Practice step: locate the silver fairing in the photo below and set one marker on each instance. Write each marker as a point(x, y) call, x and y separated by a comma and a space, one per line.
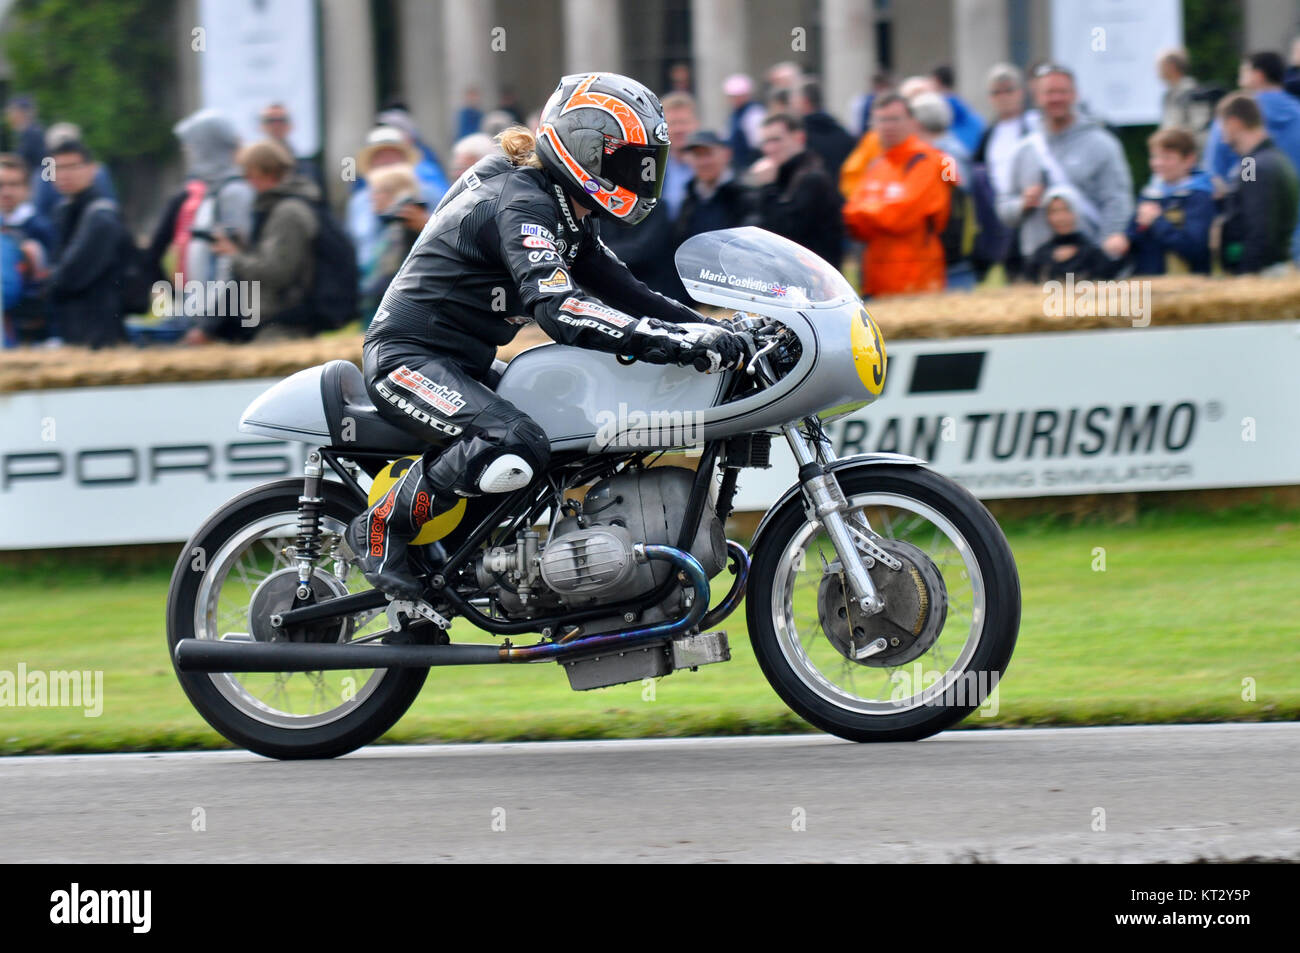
point(290, 410)
point(576, 394)
point(587, 400)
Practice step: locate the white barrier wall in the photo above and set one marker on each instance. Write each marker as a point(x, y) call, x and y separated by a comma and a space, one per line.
point(1164, 408)
point(144, 464)
point(1008, 416)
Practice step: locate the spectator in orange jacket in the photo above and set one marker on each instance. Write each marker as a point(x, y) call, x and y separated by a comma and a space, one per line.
point(868, 147)
point(900, 207)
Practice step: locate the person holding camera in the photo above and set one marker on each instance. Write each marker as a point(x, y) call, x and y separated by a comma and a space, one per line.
point(279, 254)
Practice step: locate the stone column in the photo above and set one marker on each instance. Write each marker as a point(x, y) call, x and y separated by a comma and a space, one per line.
point(348, 80)
point(849, 54)
point(471, 54)
point(981, 39)
point(718, 50)
point(1269, 25)
point(593, 36)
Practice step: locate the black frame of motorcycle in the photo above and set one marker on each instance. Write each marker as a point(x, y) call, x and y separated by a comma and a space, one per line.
point(538, 496)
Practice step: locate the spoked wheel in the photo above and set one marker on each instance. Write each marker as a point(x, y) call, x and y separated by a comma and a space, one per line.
point(952, 609)
point(237, 571)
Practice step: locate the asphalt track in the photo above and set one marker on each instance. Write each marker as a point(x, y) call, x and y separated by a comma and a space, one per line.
point(1167, 793)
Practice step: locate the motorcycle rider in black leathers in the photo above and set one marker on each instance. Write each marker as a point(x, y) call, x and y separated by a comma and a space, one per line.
point(513, 242)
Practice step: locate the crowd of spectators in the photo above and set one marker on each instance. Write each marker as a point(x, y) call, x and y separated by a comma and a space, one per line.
point(923, 193)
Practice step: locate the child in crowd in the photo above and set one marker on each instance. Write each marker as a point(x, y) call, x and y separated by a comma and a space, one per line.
point(1170, 231)
point(1068, 251)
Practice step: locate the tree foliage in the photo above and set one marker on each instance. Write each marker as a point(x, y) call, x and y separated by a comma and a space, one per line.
point(106, 65)
point(1212, 30)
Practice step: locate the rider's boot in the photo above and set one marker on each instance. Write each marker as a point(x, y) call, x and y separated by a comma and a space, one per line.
point(380, 535)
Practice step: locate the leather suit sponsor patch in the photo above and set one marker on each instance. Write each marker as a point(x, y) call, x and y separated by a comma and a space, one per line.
point(537, 231)
point(595, 309)
point(558, 281)
point(443, 399)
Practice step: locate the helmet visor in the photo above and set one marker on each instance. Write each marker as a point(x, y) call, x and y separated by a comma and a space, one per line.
point(639, 169)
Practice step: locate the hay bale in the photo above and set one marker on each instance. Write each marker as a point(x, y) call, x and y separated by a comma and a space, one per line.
point(44, 369)
point(1014, 309)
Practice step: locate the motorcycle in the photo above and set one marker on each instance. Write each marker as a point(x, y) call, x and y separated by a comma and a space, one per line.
point(882, 599)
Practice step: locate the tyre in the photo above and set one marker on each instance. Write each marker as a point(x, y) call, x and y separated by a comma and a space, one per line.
point(952, 609)
point(237, 570)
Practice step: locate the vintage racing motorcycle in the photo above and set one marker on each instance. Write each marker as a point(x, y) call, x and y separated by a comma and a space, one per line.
point(883, 599)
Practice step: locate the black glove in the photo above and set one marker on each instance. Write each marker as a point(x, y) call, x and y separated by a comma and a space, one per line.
point(705, 347)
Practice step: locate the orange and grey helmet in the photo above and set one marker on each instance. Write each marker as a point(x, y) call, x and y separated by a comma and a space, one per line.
point(603, 136)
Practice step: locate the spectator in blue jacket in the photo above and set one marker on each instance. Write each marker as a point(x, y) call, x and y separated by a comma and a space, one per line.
point(470, 115)
point(1261, 75)
point(966, 122)
point(384, 146)
point(1170, 231)
point(26, 252)
point(428, 169)
point(45, 196)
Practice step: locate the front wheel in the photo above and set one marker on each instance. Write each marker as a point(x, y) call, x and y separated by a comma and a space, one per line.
point(235, 572)
point(950, 623)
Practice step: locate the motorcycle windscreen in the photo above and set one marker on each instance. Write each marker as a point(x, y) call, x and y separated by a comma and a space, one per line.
point(741, 267)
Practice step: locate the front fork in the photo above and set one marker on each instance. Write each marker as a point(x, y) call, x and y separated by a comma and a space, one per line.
point(850, 533)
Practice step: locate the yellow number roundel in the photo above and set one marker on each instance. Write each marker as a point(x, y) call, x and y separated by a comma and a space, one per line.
point(868, 352)
point(436, 528)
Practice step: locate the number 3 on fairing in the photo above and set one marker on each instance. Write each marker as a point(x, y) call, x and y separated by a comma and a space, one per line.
point(868, 352)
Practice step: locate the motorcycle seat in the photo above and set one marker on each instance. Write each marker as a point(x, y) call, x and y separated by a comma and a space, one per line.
point(344, 392)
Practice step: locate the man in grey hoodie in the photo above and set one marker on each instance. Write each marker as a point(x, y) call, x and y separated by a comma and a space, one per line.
point(1069, 150)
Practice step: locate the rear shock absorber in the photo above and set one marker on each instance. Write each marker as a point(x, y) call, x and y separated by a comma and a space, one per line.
point(309, 510)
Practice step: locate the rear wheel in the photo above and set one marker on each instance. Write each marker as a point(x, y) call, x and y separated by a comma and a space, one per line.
point(950, 624)
point(235, 572)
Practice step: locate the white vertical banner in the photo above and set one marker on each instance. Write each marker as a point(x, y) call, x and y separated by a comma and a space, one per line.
point(1111, 45)
point(255, 52)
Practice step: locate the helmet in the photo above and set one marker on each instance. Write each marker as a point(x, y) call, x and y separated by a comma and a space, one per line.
point(604, 138)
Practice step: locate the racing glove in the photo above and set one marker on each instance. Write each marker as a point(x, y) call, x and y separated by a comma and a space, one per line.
point(705, 347)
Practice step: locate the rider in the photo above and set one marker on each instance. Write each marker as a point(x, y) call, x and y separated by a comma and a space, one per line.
point(513, 242)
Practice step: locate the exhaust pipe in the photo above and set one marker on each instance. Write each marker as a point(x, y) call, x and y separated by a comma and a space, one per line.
point(212, 655)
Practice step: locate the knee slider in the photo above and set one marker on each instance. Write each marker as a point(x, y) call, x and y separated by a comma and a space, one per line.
point(524, 449)
point(505, 474)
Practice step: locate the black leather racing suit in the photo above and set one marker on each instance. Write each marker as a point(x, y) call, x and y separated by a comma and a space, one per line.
point(502, 249)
